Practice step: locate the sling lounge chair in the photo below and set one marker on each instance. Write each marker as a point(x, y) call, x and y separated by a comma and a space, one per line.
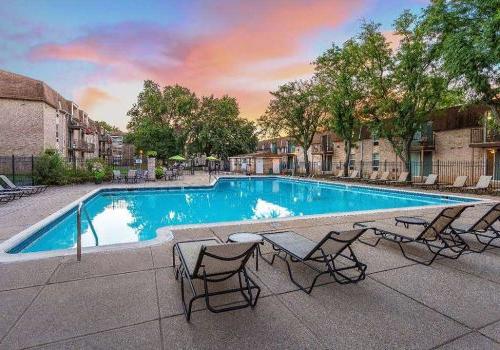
point(353, 176)
point(373, 176)
point(333, 247)
point(383, 178)
point(482, 184)
point(117, 176)
point(33, 189)
point(131, 176)
point(210, 261)
point(429, 182)
point(482, 229)
point(402, 179)
point(4, 198)
point(15, 193)
point(458, 184)
point(437, 236)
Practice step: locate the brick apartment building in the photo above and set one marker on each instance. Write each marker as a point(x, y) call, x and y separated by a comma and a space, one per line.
point(451, 135)
point(35, 117)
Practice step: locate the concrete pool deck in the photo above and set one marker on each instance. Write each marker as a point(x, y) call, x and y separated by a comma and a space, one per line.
point(129, 299)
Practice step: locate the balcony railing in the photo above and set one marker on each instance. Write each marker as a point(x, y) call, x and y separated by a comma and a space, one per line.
point(479, 136)
point(82, 146)
point(424, 141)
point(320, 149)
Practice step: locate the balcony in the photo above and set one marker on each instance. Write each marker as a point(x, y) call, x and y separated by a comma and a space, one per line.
point(322, 149)
point(424, 141)
point(484, 138)
point(82, 146)
point(75, 124)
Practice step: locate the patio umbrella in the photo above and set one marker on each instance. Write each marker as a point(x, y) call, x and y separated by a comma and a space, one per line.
point(178, 158)
point(212, 158)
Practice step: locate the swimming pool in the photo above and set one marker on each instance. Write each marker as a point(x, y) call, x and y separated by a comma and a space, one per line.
point(125, 215)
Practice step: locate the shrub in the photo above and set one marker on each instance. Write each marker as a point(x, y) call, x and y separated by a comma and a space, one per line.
point(78, 175)
point(50, 169)
point(159, 172)
point(151, 154)
point(99, 170)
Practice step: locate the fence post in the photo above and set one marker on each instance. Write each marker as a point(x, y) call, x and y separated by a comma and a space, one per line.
point(13, 169)
point(32, 167)
point(437, 168)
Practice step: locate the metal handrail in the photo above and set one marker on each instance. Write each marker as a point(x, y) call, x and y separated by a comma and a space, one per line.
point(79, 230)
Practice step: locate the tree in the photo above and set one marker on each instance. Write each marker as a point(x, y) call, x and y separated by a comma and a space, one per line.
point(338, 71)
point(467, 40)
point(403, 87)
point(296, 111)
point(218, 129)
point(107, 127)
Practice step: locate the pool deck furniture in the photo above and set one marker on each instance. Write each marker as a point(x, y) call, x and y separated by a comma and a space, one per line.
point(15, 193)
point(482, 184)
point(382, 179)
point(333, 251)
point(373, 176)
point(117, 176)
point(407, 221)
point(33, 189)
point(458, 184)
point(402, 179)
point(483, 229)
point(4, 198)
point(131, 176)
point(245, 237)
point(438, 236)
point(352, 176)
point(211, 261)
point(430, 182)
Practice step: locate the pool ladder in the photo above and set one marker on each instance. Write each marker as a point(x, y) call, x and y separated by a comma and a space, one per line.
point(79, 230)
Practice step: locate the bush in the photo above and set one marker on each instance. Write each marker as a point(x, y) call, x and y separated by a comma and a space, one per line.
point(99, 170)
point(159, 172)
point(151, 154)
point(50, 169)
point(78, 175)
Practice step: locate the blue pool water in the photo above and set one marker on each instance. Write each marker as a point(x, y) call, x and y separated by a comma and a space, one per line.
point(120, 216)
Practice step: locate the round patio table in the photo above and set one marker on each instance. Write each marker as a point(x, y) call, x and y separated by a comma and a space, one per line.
point(246, 237)
point(410, 220)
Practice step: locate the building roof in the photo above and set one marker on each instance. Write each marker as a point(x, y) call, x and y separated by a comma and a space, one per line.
point(259, 155)
point(20, 87)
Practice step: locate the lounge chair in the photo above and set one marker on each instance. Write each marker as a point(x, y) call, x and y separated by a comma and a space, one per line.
point(4, 198)
point(437, 236)
point(131, 176)
point(209, 260)
point(12, 186)
point(334, 251)
point(458, 184)
point(431, 181)
point(15, 193)
point(373, 176)
point(482, 229)
point(402, 179)
point(482, 184)
point(383, 178)
point(117, 176)
point(353, 176)
point(340, 173)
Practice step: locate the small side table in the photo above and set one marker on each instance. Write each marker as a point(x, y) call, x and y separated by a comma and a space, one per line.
point(410, 220)
point(245, 237)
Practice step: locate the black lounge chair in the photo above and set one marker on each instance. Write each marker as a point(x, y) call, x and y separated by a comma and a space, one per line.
point(32, 189)
point(482, 229)
point(328, 251)
point(209, 260)
point(438, 236)
point(131, 176)
point(4, 198)
point(15, 193)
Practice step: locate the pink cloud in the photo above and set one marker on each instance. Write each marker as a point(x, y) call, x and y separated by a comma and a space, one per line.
point(91, 96)
point(246, 34)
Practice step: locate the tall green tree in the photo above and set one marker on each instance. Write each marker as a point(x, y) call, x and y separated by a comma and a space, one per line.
point(338, 71)
point(218, 129)
point(295, 110)
point(107, 127)
point(403, 87)
point(151, 135)
point(466, 33)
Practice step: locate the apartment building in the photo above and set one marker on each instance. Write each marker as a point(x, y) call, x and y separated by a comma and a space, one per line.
point(35, 117)
point(457, 134)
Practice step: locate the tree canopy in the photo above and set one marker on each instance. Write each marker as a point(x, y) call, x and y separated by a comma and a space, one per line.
point(338, 71)
point(174, 120)
point(295, 110)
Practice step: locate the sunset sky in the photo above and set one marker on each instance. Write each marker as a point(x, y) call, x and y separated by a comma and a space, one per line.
point(98, 53)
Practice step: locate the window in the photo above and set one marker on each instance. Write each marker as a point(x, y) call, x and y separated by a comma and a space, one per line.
point(375, 140)
point(352, 164)
point(375, 161)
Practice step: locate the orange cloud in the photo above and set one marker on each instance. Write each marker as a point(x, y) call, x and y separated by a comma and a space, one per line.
point(392, 38)
point(92, 96)
point(228, 58)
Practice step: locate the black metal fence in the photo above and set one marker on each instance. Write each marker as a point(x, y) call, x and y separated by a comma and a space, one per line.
point(19, 169)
